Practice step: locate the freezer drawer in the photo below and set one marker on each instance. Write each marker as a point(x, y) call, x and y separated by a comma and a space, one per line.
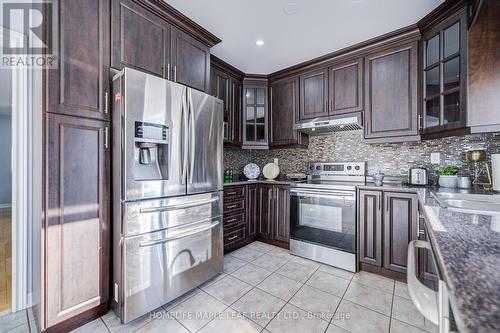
point(153, 215)
point(161, 266)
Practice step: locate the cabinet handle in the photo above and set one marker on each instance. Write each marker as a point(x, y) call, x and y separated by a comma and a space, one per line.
point(420, 118)
point(106, 106)
point(106, 137)
point(168, 71)
point(231, 238)
point(231, 193)
point(232, 220)
point(232, 206)
point(175, 73)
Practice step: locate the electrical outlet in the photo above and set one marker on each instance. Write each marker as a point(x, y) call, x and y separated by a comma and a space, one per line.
point(435, 158)
point(276, 161)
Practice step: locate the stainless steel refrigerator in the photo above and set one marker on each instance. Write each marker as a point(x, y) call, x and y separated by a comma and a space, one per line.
point(167, 191)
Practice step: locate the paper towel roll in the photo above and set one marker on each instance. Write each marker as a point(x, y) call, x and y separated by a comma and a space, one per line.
point(495, 166)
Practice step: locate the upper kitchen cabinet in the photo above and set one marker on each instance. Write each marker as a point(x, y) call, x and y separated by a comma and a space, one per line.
point(332, 91)
point(345, 87)
point(140, 39)
point(190, 61)
point(80, 84)
point(484, 69)
point(146, 35)
point(391, 94)
point(255, 114)
point(314, 94)
point(444, 77)
point(284, 95)
point(227, 85)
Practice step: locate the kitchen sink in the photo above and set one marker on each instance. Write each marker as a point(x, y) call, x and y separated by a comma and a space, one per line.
point(469, 203)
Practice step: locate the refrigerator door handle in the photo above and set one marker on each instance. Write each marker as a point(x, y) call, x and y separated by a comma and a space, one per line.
point(179, 206)
point(190, 232)
point(184, 137)
point(192, 137)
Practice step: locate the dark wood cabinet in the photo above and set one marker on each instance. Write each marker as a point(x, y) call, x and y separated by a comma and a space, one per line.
point(226, 84)
point(140, 39)
point(190, 61)
point(284, 113)
point(235, 219)
point(253, 209)
point(256, 211)
point(387, 224)
point(77, 189)
point(314, 94)
point(370, 227)
point(236, 135)
point(391, 94)
point(143, 40)
point(444, 77)
point(255, 113)
point(220, 87)
point(80, 84)
point(345, 87)
point(400, 228)
point(281, 220)
point(266, 211)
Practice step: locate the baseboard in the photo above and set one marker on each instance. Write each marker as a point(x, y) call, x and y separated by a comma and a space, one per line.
point(79, 320)
point(383, 272)
point(281, 244)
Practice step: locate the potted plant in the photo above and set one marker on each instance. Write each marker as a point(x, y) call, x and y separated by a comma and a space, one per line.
point(448, 176)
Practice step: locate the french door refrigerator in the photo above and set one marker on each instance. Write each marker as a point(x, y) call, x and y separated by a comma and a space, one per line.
point(167, 191)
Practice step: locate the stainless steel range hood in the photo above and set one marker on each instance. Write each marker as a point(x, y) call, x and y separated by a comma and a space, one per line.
point(348, 122)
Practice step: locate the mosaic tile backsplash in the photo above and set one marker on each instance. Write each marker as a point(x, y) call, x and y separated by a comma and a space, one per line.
point(391, 159)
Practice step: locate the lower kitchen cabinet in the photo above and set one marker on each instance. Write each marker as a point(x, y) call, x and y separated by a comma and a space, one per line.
point(256, 211)
point(400, 228)
point(266, 210)
point(281, 225)
point(387, 224)
point(370, 227)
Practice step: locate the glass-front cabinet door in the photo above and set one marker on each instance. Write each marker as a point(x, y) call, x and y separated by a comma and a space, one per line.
point(255, 117)
point(444, 76)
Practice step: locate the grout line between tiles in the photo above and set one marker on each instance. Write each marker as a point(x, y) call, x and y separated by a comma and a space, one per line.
point(336, 308)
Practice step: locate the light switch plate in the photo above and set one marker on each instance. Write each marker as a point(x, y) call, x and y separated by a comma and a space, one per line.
point(435, 158)
point(276, 161)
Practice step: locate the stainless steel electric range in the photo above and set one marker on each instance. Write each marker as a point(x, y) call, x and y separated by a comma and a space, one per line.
point(323, 213)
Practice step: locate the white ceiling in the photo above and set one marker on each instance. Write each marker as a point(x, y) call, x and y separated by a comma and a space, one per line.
point(313, 28)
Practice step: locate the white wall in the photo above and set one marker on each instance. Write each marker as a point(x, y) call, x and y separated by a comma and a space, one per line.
point(5, 159)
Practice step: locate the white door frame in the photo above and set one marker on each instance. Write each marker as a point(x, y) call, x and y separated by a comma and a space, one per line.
point(20, 182)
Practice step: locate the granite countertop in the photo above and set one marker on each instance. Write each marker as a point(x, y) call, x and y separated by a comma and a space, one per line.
point(467, 248)
point(242, 180)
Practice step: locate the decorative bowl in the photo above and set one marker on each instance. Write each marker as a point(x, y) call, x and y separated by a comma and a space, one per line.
point(251, 171)
point(271, 171)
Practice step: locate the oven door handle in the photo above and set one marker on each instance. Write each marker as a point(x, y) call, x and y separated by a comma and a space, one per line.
point(325, 195)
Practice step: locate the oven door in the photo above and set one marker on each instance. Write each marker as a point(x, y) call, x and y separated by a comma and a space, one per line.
point(324, 217)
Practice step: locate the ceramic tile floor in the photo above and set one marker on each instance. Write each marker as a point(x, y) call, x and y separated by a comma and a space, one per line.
point(265, 289)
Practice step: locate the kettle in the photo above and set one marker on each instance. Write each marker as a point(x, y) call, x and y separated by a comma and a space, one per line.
point(418, 176)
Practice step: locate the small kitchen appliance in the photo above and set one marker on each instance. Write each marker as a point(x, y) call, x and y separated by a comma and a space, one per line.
point(418, 176)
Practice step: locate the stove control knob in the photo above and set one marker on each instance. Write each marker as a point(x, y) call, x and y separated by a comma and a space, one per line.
point(357, 167)
point(318, 167)
point(311, 167)
point(349, 167)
